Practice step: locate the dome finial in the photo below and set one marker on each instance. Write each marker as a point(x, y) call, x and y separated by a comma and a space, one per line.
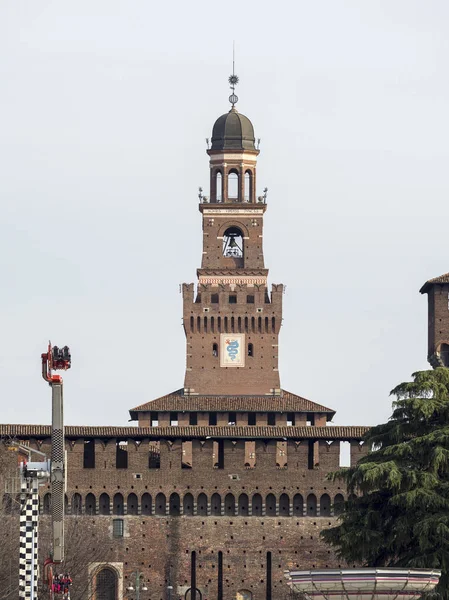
point(233, 80)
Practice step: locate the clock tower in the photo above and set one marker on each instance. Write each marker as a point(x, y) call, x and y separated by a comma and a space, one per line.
point(232, 319)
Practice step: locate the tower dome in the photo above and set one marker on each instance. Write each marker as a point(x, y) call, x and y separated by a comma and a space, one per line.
point(233, 131)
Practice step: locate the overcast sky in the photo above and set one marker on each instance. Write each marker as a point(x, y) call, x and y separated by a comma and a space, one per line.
point(105, 107)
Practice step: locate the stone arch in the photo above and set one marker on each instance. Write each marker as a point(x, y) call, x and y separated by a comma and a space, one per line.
point(47, 504)
point(243, 505)
point(118, 504)
point(175, 505)
point(215, 505)
point(90, 506)
point(311, 505)
point(233, 223)
point(270, 505)
point(132, 504)
point(160, 507)
point(244, 595)
point(284, 505)
point(106, 583)
point(201, 505)
point(298, 505)
point(229, 507)
point(325, 505)
point(146, 503)
point(187, 505)
point(256, 505)
point(105, 504)
point(339, 504)
point(76, 504)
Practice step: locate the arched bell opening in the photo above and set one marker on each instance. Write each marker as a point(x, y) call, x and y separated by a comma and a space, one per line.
point(233, 243)
point(248, 187)
point(233, 185)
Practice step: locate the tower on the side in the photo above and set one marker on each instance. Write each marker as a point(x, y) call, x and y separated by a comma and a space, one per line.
point(437, 291)
point(232, 320)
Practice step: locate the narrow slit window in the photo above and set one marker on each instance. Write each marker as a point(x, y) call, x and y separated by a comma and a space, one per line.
point(215, 350)
point(248, 186)
point(219, 187)
point(250, 350)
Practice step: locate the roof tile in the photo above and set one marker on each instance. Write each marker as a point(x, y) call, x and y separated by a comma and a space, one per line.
point(176, 401)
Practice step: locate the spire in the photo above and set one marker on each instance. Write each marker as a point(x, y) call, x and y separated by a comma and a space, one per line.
point(233, 80)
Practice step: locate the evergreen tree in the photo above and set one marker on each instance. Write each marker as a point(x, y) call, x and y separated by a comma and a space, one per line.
point(397, 514)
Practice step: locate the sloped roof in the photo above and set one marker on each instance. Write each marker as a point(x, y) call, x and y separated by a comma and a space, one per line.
point(177, 402)
point(436, 280)
point(332, 432)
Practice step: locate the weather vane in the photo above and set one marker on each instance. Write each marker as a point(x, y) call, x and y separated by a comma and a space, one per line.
point(233, 80)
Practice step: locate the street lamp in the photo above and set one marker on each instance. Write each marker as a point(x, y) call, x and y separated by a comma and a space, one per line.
point(139, 585)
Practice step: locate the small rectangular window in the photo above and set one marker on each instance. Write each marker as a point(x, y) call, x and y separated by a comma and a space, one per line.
point(154, 456)
point(214, 298)
point(250, 299)
point(251, 418)
point(271, 418)
point(290, 419)
point(89, 454)
point(232, 299)
point(310, 419)
point(193, 418)
point(117, 528)
point(232, 418)
point(121, 455)
point(154, 419)
point(212, 418)
point(173, 419)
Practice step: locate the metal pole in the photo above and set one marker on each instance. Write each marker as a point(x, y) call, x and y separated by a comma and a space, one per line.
point(137, 585)
point(57, 472)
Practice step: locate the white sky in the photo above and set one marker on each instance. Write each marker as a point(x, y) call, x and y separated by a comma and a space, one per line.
point(105, 107)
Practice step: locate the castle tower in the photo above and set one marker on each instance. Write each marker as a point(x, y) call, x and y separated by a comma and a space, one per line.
point(437, 290)
point(232, 321)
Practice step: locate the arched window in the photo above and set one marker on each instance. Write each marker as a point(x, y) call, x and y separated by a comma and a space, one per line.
point(270, 505)
point(215, 505)
point(105, 505)
point(118, 505)
point(76, 504)
point(66, 504)
point(256, 507)
point(47, 504)
point(325, 505)
point(106, 585)
point(243, 505)
point(233, 243)
point(91, 505)
point(201, 505)
point(311, 505)
point(187, 505)
point(160, 504)
point(132, 505)
point(146, 504)
point(175, 504)
point(229, 505)
point(233, 185)
point(250, 350)
point(298, 505)
point(444, 354)
point(248, 196)
point(219, 186)
point(339, 504)
point(284, 505)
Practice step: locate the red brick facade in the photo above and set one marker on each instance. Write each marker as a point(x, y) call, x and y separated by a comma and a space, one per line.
point(223, 484)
